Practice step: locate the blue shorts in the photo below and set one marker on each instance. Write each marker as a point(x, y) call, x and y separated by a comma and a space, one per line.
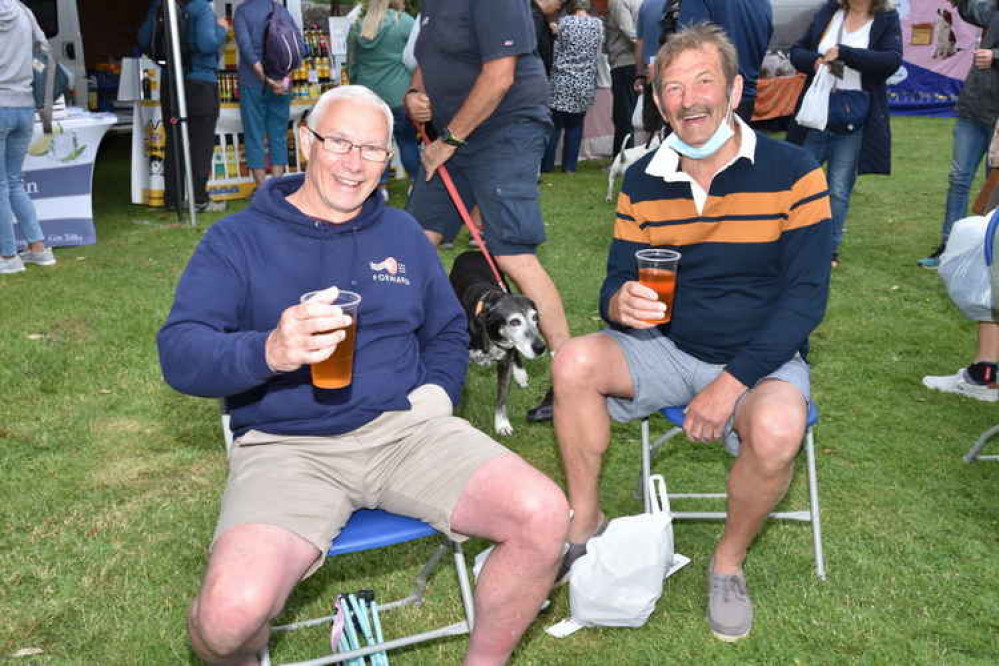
point(499, 173)
point(664, 376)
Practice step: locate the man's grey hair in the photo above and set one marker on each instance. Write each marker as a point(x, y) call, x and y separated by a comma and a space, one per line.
point(357, 93)
point(697, 36)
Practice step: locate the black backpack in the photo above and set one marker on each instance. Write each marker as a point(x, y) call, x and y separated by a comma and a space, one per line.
point(282, 54)
point(159, 44)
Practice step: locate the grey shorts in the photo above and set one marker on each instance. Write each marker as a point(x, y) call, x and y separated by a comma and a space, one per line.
point(664, 376)
point(415, 463)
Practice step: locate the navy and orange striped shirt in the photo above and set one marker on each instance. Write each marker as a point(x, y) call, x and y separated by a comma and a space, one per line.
point(754, 274)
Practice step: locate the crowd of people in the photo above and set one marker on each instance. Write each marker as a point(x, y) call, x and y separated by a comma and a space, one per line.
point(753, 286)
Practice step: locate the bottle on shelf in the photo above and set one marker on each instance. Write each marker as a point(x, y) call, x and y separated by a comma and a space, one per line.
point(218, 160)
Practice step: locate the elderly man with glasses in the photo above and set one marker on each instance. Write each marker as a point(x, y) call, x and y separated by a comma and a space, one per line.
point(305, 458)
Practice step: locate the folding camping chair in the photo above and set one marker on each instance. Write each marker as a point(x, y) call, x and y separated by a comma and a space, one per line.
point(675, 416)
point(975, 452)
point(370, 529)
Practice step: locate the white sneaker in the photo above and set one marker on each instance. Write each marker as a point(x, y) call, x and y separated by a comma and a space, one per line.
point(12, 265)
point(961, 385)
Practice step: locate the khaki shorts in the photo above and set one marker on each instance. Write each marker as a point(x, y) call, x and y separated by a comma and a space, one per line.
point(414, 463)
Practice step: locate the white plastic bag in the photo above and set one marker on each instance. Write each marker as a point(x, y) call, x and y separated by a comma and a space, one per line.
point(964, 269)
point(814, 111)
point(620, 578)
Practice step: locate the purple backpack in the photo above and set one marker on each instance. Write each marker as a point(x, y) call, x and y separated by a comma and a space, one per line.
point(282, 44)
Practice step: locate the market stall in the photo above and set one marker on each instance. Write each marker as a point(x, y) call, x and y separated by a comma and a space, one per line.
point(323, 68)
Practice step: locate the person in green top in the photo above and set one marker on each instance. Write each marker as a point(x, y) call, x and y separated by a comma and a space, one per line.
point(374, 60)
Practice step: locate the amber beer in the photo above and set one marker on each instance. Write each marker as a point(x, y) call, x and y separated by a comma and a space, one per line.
point(657, 270)
point(337, 371)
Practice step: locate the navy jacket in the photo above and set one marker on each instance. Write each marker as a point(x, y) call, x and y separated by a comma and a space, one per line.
point(875, 65)
point(254, 264)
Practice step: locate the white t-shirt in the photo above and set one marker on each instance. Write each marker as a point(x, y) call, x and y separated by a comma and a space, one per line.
point(860, 39)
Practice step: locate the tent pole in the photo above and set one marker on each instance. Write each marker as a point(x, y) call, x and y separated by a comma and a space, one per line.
point(177, 75)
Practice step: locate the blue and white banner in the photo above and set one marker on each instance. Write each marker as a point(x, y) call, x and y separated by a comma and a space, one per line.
point(58, 173)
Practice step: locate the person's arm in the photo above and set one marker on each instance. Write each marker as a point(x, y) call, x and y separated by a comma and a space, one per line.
point(416, 101)
point(806, 247)
point(244, 42)
point(624, 302)
point(625, 21)
point(490, 87)
point(202, 351)
point(804, 54)
point(209, 32)
point(38, 37)
point(976, 12)
point(881, 60)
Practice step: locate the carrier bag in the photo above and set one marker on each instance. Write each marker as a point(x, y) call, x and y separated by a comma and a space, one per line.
point(965, 265)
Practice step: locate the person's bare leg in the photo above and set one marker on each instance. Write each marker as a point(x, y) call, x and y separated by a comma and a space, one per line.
point(584, 372)
point(251, 571)
point(771, 424)
point(988, 342)
point(277, 170)
point(535, 283)
point(259, 176)
point(520, 509)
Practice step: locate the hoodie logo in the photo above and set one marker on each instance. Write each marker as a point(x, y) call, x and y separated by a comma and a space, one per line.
point(388, 270)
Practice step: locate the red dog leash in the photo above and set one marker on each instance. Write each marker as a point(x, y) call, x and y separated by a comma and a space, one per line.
point(463, 212)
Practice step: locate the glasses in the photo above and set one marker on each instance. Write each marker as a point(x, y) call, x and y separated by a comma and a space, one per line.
point(340, 146)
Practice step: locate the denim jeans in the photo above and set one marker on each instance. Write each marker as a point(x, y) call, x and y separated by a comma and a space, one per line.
point(264, 114)
point(16, 126)
point(971, 141)
point(572, 123)
point(840, 152)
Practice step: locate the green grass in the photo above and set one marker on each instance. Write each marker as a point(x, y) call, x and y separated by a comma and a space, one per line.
point(110, 481)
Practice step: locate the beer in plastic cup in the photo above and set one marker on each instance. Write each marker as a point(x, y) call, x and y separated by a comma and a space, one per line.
point(338, 370)
point(657, 270)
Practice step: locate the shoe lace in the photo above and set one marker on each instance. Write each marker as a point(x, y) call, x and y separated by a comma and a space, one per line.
point(730, 588)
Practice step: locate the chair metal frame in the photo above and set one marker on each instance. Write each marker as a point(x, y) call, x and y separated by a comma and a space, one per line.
point(975, 452)
point(675, 416)
point(356, 538)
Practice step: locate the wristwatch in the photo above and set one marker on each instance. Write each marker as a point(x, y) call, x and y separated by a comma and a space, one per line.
point(451, 139)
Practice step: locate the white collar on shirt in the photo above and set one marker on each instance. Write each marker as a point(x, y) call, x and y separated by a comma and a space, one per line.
point(666, 162)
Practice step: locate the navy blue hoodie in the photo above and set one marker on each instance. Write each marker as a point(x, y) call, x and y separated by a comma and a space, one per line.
point(254, 264)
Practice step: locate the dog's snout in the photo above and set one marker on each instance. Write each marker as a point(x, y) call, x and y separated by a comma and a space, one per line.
point(538, 347)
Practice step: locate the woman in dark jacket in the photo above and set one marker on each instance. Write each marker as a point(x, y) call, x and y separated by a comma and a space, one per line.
point(863, 40)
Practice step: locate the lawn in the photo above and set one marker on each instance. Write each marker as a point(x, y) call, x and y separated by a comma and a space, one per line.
point(111, 480)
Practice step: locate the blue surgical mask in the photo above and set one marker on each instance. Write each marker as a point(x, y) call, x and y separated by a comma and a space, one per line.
point(722, 134)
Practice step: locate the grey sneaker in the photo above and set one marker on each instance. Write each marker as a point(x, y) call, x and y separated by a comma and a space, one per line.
point(43, 258)
point(730, 610)
point(12, 265)
point(210, 207)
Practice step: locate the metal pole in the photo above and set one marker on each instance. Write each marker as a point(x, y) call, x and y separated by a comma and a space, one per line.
point(176, 66)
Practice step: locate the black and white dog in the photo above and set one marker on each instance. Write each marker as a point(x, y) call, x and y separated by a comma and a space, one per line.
point(503, 327)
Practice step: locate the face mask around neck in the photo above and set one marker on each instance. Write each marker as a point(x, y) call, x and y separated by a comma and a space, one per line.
point(709, 147)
